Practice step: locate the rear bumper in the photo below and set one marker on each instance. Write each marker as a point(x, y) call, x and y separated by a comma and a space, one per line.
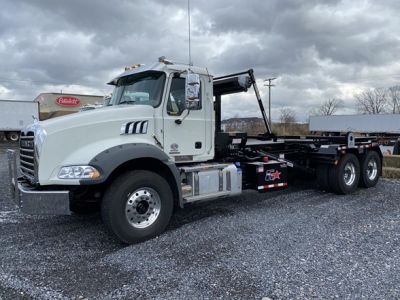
point(32, 200)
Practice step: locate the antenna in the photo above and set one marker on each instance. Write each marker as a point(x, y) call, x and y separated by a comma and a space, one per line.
point(190, 54)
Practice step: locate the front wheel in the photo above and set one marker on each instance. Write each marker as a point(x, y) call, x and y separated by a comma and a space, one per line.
point(137, 206)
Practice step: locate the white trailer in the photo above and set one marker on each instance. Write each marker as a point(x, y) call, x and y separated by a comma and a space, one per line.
point(385, 123)
point(385, 126)
point(15, 115)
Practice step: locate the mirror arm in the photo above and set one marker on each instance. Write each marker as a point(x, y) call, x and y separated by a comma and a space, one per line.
point(179, 122)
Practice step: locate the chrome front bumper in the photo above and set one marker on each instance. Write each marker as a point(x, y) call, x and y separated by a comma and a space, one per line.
point(34, 201)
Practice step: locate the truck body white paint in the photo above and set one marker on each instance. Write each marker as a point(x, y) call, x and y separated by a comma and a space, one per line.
point(385, 123)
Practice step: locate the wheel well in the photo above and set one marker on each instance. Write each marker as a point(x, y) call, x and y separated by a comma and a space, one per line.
point(149, 164)
point(351, 151)
point(359, 155)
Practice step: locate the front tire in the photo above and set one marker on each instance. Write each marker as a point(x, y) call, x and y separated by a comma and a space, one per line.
point(370, 169)
point(344, 177)
point(137, 206)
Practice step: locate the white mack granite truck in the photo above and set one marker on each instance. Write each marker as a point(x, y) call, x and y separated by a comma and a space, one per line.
point(159, 145)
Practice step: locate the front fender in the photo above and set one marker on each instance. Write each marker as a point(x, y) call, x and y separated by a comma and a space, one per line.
point(108, 160)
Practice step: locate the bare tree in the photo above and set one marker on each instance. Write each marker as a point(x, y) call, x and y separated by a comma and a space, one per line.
point(372, 101)
point(330, 106)
point(327, 108)
point(288, 116)
point(393, 94)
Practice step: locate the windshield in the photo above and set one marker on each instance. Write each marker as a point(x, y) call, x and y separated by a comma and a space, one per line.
point(144, 88)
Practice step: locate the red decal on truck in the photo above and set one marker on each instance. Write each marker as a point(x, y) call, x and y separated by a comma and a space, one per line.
point(272, 175)
point(68, 101)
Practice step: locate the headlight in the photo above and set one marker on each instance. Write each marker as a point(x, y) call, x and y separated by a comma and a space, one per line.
point(78, 172)
point(40, 135)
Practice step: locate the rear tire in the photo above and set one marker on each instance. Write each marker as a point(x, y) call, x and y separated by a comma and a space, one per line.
point(12, 136)
point(344, 177)
point(370, 169)
point(137, 206)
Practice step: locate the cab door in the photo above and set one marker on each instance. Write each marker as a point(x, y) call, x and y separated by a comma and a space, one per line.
point(184, 130)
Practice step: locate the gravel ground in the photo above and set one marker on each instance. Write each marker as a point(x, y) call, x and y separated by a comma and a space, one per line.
point(296, 243)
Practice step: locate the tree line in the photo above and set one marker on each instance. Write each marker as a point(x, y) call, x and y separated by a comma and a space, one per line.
point(379, 101)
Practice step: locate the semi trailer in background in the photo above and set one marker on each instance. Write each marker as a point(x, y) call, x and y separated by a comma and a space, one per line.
point(16, 114)
point(56, 104)
point(386, 127)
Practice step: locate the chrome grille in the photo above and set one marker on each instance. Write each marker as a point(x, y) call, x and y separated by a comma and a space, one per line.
point(27, 156)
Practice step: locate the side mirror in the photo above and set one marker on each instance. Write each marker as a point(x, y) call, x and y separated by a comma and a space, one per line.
point(192, 90)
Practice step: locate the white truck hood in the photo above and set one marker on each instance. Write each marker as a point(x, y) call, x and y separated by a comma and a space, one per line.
point(101, 117)
point(75, 139)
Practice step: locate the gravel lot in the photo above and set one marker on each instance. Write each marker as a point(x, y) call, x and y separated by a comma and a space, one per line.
point(296, 243)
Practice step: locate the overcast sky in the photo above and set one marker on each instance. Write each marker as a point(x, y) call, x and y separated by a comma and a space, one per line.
point(317, 49)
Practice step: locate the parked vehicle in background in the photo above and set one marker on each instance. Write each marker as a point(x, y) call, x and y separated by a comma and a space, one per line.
point(16, 114)
point(386, 127)
point(56, 104)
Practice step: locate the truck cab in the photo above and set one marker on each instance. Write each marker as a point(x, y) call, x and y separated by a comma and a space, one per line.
point(163, 88)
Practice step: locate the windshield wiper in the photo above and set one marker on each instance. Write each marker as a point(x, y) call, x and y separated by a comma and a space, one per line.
point(127, 102)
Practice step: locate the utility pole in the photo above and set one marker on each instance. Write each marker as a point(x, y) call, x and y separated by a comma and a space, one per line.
point(269, 85)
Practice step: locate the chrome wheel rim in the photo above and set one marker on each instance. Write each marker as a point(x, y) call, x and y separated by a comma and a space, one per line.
point(372, 169)
point(142, 207)
point(349, 174)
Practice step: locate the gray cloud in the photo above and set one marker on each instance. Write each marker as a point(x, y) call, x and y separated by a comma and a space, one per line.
point(317, 49)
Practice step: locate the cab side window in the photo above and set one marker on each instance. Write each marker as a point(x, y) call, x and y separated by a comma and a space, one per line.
point(176, 100)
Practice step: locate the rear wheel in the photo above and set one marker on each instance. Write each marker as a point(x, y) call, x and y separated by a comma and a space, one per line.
point(137, 206)
point(370, 169)
point(344, 177)
point(12, 136)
